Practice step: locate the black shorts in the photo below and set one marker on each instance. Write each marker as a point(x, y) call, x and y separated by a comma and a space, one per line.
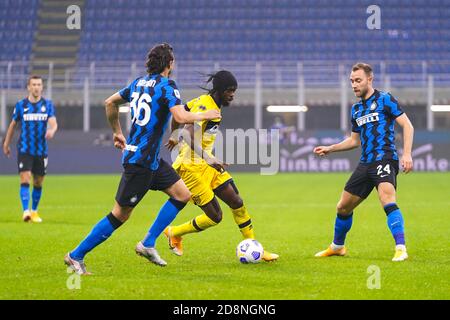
point(36, 164)
point(369, 175)
point(137, 180)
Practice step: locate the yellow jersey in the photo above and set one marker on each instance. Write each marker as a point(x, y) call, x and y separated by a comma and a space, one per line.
point(208, 130)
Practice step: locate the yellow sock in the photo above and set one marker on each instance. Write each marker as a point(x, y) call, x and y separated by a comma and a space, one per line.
point(242, 219)
point(199, 223)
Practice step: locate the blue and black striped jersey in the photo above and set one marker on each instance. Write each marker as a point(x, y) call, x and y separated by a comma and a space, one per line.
point(151, 98)
point(374, 120)
point(33, 118)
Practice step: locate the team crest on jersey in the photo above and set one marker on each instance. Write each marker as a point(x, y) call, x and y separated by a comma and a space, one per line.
point(371, 117)
point(43, 109)
point(202, 108)
point(133, 199)
point(373, 106)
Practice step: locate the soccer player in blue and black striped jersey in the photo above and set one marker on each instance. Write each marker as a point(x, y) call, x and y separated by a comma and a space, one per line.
point(153, 99)
point(36, 116)
point(373, 121)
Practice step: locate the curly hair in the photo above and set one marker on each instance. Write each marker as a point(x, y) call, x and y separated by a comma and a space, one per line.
point(221, 80)
point(159, 58)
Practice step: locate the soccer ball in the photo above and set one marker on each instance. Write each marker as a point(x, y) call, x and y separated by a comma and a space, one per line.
point(249, 251)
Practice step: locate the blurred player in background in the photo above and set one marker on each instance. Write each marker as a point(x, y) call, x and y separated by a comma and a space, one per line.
point(153, 98)
point(38, 124)
point(205, 175)
point(373, 129)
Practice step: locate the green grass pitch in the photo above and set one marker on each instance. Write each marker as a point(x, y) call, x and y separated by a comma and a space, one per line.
point(293, 215)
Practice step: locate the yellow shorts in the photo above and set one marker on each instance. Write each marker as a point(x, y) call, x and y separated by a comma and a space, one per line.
point(201, 181)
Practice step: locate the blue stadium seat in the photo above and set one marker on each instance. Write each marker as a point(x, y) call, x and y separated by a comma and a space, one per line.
point(251, 30)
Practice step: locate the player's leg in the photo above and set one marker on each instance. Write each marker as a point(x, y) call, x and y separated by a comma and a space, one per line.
point(199, 184)
point(387, 181)
point(99, 234)
point(133, 186)
point(39, 170)
point(25, 177)
point(342, 225)
point(25, 164)
point(102, 230)
point(211, 216)
point(167, 180)
point(229, 193)
point(357, 188)
point(179, 196)
point(36, 194)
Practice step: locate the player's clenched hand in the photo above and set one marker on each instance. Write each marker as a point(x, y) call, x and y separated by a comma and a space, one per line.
point(49, 134)
point(171, 143)
point(212, 114)
point(322, 150)
point(119, 141)
point(6, 150)
point(216, 164)
point(407, 163)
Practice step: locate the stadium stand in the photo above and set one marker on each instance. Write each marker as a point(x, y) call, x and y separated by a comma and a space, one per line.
point(266, 30)
point(412, 31)
point(17, 25)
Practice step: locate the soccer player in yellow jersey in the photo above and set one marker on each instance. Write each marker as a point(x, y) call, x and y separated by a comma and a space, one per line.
point(203, 174)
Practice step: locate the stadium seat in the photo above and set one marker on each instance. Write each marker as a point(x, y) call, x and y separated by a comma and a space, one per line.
point(249, 31)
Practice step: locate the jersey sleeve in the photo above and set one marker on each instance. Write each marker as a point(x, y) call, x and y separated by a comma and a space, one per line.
point(125, 92)
point(17, 113)
point(392, 106)
point(189, 105)
point(51, 109)
point(355, 127)
point(172, 96)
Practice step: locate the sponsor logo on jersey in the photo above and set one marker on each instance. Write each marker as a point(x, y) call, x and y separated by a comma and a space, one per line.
point(35, 117)
point(131, 148)
point(213, 130)
point(371, 117)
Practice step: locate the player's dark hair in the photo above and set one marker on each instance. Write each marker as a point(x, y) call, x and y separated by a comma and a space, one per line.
point(221, 81)
point(367, 68)
point(34, 77)
point(159, 58)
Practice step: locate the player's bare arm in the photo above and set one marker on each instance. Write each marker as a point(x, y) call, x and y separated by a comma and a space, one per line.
point(408, 134)
point(188, 135)
point(176, 126)
point(112, 114)
point(350, 143)
point(182, 116)
point(174, 131)
point(8, 138)
point(52, 129)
